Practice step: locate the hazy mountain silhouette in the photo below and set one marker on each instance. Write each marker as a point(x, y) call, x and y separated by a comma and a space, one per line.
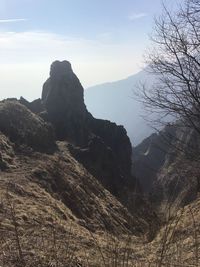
point(116, 101)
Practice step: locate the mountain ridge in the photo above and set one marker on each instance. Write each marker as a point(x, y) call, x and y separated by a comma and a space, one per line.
point(116, 102)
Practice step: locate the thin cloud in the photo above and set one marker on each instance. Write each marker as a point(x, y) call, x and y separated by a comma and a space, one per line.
point(26, 56)
point(136, 16)
point(11, 20)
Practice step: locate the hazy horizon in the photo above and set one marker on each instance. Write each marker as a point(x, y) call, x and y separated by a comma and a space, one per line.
point(104, 41)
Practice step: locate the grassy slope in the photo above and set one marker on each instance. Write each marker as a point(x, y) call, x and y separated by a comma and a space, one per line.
point(53, 213)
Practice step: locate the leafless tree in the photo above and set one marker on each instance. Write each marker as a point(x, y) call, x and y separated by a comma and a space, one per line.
point(175, 61)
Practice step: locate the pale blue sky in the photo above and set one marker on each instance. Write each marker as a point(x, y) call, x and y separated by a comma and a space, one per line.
point(105, 40)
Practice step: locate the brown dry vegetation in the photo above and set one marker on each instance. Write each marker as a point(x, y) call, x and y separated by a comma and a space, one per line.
point(83, 225)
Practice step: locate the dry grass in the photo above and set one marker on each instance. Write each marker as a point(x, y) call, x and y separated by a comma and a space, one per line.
point(38, 229)
point(55, 244)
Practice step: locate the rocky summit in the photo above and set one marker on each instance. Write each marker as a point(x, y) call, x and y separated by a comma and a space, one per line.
point(101, 146)
point(62, 97)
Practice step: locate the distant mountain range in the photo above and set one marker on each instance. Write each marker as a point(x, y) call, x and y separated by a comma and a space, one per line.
point(116, 101)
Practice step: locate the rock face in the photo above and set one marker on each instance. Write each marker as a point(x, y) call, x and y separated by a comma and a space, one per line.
point(167, 165)
point(116, 138)
point(34, 106)
point(107, 155)
point(150, 156)
point(90, 203)
point(179, 177)
point(101, 146)
point(62, 97)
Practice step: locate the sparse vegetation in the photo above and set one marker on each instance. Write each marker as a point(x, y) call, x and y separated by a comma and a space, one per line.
point(68, 197)
point(51, 245)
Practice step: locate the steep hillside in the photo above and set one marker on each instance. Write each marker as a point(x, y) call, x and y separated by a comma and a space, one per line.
point(63, 170)
point(68, 197)
point(177, 242)
point(60, 213)
point(150, 155)
point(50, 193)
point(167, 165)
point(116, 101)
point(101, 146)
point(45, 193)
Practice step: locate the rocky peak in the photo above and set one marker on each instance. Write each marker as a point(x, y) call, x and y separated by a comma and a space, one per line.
point(60, 69)
point(62, 97)
point(60, 128)
point(64, 86)
point(102, 147)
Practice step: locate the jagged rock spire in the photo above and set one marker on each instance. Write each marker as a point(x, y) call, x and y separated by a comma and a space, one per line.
point(62, 96)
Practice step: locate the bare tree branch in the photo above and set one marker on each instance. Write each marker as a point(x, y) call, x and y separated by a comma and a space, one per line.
point(175, 61)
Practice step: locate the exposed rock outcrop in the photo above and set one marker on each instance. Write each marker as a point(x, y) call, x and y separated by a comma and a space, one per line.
point(59, 124)
point(116, 138)
point(167, 165)
point(65, 207)
point(62, 97)
point(150, 156)
point(101, 146)
point(58, 176)
point(94, 207)
point(35, 106)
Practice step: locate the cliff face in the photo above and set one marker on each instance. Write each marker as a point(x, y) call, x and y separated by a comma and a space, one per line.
point(101, 146)
point(150, 156)
point(167, 165)
point(62, 97)
point(116, 138)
